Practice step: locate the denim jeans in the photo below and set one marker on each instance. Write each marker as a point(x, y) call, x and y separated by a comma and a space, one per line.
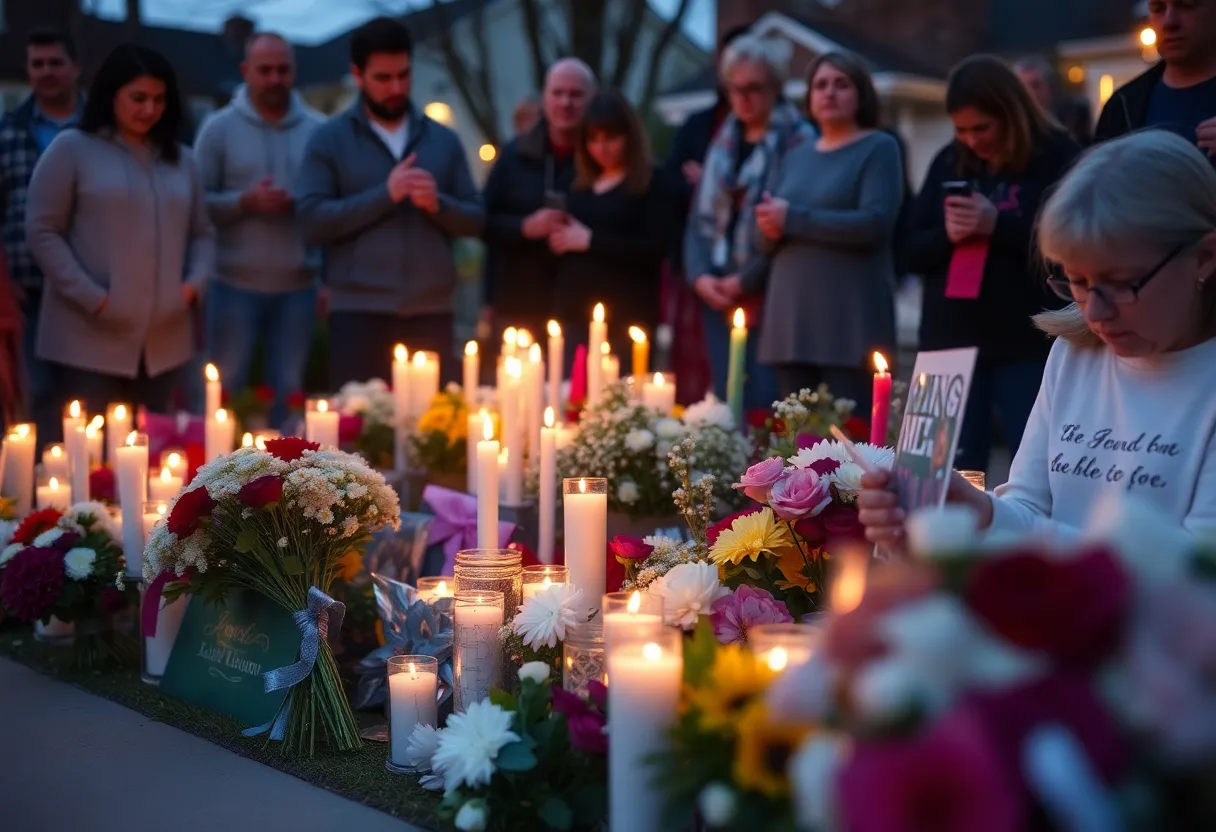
point(97, 390)
point(1006, 388)
point(759, 380)
point(284, 321)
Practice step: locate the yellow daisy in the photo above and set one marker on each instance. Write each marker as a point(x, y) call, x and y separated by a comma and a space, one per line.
point(735, 680)
point(751, 536)
point(764, 749)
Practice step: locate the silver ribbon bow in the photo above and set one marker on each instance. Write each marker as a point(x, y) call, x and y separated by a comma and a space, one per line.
point(314, 622)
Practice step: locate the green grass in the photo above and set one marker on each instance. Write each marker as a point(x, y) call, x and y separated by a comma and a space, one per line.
point(359, 776)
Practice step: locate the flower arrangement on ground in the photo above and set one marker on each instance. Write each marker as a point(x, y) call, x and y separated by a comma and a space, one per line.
point(437, 443)
point(803, 418)
point(280, 522)
point(629, 444)
point(373, 404)
point(63, 565)
point(535, 760)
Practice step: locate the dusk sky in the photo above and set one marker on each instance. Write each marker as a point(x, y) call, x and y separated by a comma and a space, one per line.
point(313, 21)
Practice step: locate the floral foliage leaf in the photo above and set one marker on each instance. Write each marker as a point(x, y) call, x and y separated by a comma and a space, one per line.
point(517, 756)
point(556, 813)
point(699, 653)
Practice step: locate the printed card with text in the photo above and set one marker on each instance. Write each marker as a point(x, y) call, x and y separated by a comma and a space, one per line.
point(928, 437)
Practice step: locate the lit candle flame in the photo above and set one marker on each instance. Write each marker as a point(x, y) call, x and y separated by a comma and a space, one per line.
point(740, 319)
point(880, 362)
point(413, 671)
point(582, 485)
point(166, 473)
point(221, 415)
point(652, 652)
point(323, 406)
point(132, 437)
point(546, 583)
point(504, 456)
point(441, 588)
point(514, 367)
point(850, 585)
point(120, 412)
point(247, 440)
point(259, 442)
point(778, 658)
point(54, 483)
point(605, 348)
point(555, 329)
point(549, 419)
point(212, 373)
point(638, 336)
point(659, 381)
point(175, 460)
point(74, 410)
point(419, 359)
point(162, 509)
point(597, 314)
point(635, 603)
point(23, 431)
point(510, 336)
point(523, 339)
point(57, 450)
point(98, 423)
point(470, 348)
point(487, 426)
point(534, 354)
point(400, 354)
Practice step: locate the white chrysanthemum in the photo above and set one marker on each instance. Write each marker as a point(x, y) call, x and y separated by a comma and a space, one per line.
point(78, 563)
point(689, 590)
point(470, 743)
point(806, 457)
point(9, 551)
point(102, 520)
point(7, 527)
point(48, 537)
point(627, 492)
point(536, 671)
point(669, 428)
point(543, 619)
point(847, 479)
point(639, 439)
point(420, 750)
point(710, 412)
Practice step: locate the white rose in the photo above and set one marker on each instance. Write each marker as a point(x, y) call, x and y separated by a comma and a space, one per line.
point(536, 671)
point(639, 440)
point(79, 563)
point(627, 492)
point(48, 537)
point(473, 816)
point(668, 428)
point(718, 804)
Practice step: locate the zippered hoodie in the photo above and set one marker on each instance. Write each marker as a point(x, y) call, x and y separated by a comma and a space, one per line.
point(237, 149)
point(382, 256)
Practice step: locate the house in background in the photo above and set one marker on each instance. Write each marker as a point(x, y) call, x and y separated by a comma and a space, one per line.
point(912, 46)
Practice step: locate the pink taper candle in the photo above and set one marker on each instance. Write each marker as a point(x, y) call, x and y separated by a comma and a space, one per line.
point(880, 415)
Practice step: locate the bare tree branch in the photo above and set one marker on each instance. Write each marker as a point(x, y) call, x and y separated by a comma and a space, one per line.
point(627, 40)
point(478, 101)
point(587, 32)
point(485, 78)
point(662, 44)
point(532, 28)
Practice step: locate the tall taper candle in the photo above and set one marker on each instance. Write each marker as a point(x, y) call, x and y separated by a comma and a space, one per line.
point(473, 434)
point(880, 413)
point(401, 404)
point(94, 433)
point(585, 510)
point(598, 336)
point(18, 473)
point(215, 392)
point(55, 462)
point(77, 444)
point(557, 347)
point(641, 352)
point(131, 464)
point(73, 416)
point(510, 339)
point(534, 399)
point(487, 488)
point(424, 381)
point(118, 426)
point(737, 367)
point(472, 374)
point(547, 487)
point(512, 432)
point(220, 435)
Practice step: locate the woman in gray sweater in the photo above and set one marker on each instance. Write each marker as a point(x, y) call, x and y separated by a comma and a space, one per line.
point(829, 229)
point(117, 222)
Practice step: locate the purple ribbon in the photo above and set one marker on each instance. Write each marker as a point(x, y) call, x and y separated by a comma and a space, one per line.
point(455, 523)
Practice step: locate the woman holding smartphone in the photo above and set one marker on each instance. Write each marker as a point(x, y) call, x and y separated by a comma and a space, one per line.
point(969, 236)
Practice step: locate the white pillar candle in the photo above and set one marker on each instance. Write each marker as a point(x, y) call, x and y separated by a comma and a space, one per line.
point(131, 464)
point(215, 392)
point(547, 487)
point(413, 687)
point(321, 423)
point(401, 404)
point(77, 445)
point(55, 462)
point(476, 650)
point(643, 701)
point(164, 486)
point(659, 393)
point(598, 336)
point(510, 339)
point(177, 462)
point(610, 366)
point(18, 473)
point(219, 437)
point(557, 357)
point(534, 399)
point(54, 495)
point(424, 381)
point(475, 429)
point(585, 510)
point(487, 488)
point(118, 427)
point(94, 434)
point(631, 615)
point(472, 374)
point(73, 417)
point(508, 398)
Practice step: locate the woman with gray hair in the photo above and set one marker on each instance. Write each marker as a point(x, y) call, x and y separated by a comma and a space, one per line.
point(1126, 406)
point(722, 242)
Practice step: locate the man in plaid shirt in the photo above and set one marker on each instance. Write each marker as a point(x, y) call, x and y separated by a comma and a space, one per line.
point(54, 73)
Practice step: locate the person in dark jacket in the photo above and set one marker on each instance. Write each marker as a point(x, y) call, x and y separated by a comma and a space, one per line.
point(1179, 92)
point(610, 249)
point(1007, 155)
point(526, 202)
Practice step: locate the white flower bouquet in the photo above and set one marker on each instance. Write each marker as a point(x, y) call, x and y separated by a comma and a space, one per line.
point(371, 406)
point(279, 522)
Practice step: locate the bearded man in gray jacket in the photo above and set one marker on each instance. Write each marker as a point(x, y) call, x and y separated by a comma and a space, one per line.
point(249, 154)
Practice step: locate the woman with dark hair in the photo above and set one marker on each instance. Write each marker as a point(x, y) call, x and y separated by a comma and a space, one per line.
point(829, 229)
point(610, 249)
point(116, 220)
point(970, 238)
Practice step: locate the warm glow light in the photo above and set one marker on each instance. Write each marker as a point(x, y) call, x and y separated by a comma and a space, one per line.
point(659, 381)
point(880, 362)
point(510, 336)
point(635, 603)
point(514, 367)
point(470, 348)
point(652, 652)
point(582, 486)
point(23, 431)
point(120, 412)
point(175, 460)
point(549, 420)
point(441, 589)
point(534, 354)
point(413, 671)
point(323, 406)
point(546, 583)
point(74, 410)
point(130, 438)
point(638, 336)
point(523, 339)
point(850, 583)
point(400, 354)
point(166, 473)
point(1076, 74)
point(555, 329)
point(97, 424)
point(54, 484)
point(597, 314)
point(487, 152)
point(438, 111)
point(57, 450)
point(487, 426)
point(1106, 88)
point(504, 456)
point(605, 349)
point(211, 373)
point(260, 443)
point(162, 509)
point(778, 658)
point(1148, 37)
point(740, 320)
point(419, 359)
point(247, 440)
point(221, 415)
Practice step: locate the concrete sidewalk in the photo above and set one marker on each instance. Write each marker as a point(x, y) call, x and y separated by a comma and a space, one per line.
point(71, 762)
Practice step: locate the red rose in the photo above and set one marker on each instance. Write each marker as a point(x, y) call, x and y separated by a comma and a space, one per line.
point(191, 507)
point(264, 393)
point(262, 492)
point(841, 524)
point(102, 484)
point(856, 429)
point(807, 440)
point(1072, 609)
point(196, 457)
point(35, 524)
point(778, 427)
point(350, 428)
point(711, 534)
point(757, 419)
point(290, 448)
point(629, 548)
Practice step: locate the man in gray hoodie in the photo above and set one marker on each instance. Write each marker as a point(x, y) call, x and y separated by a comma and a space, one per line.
point(249, 153)
point(386, 190)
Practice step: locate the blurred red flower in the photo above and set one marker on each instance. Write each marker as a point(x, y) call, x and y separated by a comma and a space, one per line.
point(264, 394)
point(189, 510)
point(35, 524)
point(261, 492)
point(290, 448)
point(102, 484)
point(856, 429)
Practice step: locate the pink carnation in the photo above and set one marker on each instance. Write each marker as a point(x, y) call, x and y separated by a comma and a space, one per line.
point(733, 615)
point(761, 478)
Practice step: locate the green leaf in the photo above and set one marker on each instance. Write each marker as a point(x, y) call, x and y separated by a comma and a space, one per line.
point(699, 652)
point(516, 756)
point(556, 814)
point(504, 700)
point(292, 565)
point(245, 541)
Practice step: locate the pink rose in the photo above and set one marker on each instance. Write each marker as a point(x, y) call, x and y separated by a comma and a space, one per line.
point(760, 478)
point(802, 494)
point(630, 548)
point(733, 615)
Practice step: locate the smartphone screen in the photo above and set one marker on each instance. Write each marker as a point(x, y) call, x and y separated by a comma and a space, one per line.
point(956, 187)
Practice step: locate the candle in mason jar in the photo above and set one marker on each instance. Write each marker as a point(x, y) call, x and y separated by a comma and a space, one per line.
point(631, 614)
point(476, 651)
point(413, 685)
point(536, 579)
point(433, 588)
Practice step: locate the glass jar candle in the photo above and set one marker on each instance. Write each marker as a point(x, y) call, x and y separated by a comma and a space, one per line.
point(436, 587)
point(491, 570)
point(477, 653)
point(583, 657)
point(413, 688)
point(782, 646)
point(541, 577)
